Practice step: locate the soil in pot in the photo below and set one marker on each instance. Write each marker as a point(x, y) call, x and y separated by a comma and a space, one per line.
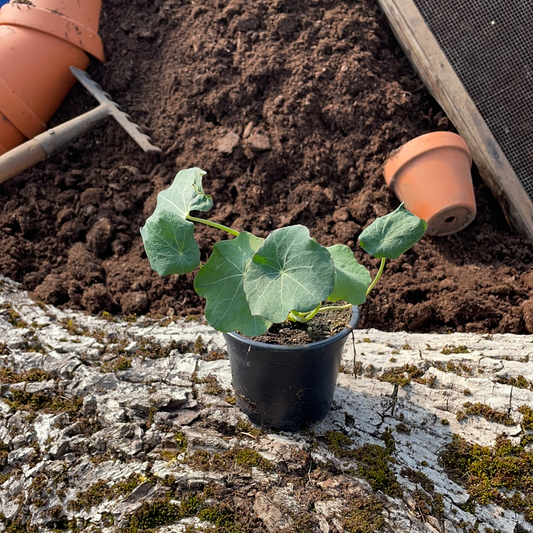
point(322, 326)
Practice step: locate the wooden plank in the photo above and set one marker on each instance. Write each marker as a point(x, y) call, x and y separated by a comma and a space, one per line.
point(428, 59)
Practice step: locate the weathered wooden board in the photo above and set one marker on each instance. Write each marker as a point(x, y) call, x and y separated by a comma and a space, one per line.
point(431, 63)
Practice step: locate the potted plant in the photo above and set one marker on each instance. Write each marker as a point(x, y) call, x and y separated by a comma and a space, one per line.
point(251, 283)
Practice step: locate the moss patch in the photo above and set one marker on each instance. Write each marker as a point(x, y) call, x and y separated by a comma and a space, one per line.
point(373, 461)
point(244, 458)
point(402, 376)
point(488, 413)
point(8, 375)
point(520, 382)
point(502, 474)
point(451, 349)
point(162, 512)
point(364, 516)
point(45, 402)
point(12, 316)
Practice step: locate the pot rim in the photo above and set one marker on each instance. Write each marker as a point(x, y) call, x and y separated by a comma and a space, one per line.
point(300, 347)
point(418, 147)
point(54, 24)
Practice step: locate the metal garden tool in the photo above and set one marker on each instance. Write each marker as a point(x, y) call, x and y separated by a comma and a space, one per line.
point(44, 145)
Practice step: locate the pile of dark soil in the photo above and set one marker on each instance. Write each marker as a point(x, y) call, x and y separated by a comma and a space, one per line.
point(291, 106)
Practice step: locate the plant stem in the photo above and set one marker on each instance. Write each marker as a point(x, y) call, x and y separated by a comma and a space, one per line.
point(335, 308)
point(378, 275)
point(213, 225)
point(296, 316)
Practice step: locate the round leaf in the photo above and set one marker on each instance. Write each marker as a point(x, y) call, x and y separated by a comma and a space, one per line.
point(290, 271)
point(220, 282)
point(390, 236)
point(185, 194)
point(169, 244)
point(351, 279)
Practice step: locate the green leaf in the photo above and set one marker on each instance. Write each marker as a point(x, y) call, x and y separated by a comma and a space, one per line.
point(169, 244)
point(185, 194)
point(220, 282)
point(290, 271)
point(392, 235)
point(351, 279)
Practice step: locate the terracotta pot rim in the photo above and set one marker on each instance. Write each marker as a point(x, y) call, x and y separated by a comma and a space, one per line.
point(55, 24)
point(420, 146)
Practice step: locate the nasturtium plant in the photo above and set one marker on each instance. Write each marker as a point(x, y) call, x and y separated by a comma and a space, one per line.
point(249, 282)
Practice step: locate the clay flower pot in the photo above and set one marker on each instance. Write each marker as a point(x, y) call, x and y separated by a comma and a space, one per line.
point(431, 175)
point(38, 44)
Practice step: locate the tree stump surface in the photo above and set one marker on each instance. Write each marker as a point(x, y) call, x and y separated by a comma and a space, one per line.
point(112, 425)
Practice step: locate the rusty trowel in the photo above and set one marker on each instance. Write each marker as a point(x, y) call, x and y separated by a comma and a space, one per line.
point(44, 145)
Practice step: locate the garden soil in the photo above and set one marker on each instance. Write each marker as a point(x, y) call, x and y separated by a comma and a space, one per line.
point(291, 106)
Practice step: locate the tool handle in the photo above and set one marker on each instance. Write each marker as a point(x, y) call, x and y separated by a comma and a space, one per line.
point(20, 158)
point(44, 145)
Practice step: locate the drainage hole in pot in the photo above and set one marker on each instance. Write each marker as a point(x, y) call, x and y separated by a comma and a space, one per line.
point(449, 220)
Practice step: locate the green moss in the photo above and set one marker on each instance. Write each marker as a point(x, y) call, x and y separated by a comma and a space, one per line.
point(106, 315)
point(490, 414)
point(451, 349)
point(415, 476)
point(429, 504)
point(152, 349)
point(8, 375)
point(16, 526)
point(519, 382)
point(92, 497)
point(248, 458)
point(4, 350)
point(128, 485)
point(244, 458)
point(181, 441)
point(246, 428)
point(211, 385)
point(199, 345)
point(527, 412)
point(374, 466)
point(365, 515)
point(502, 474)
point(45, 403)
point(221, 517)
point(373, 461)
point(162, 512)
point(339, 444)
point(401, 376)
point(121, 363)
point(231, 400)
point(214, 355)
point(72, 327)
point(13, 317)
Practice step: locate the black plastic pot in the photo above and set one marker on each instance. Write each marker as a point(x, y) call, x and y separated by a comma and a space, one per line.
point(286, 387)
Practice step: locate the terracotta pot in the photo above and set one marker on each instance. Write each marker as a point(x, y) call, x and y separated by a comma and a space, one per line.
point(38, 44)
point(431, 175)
